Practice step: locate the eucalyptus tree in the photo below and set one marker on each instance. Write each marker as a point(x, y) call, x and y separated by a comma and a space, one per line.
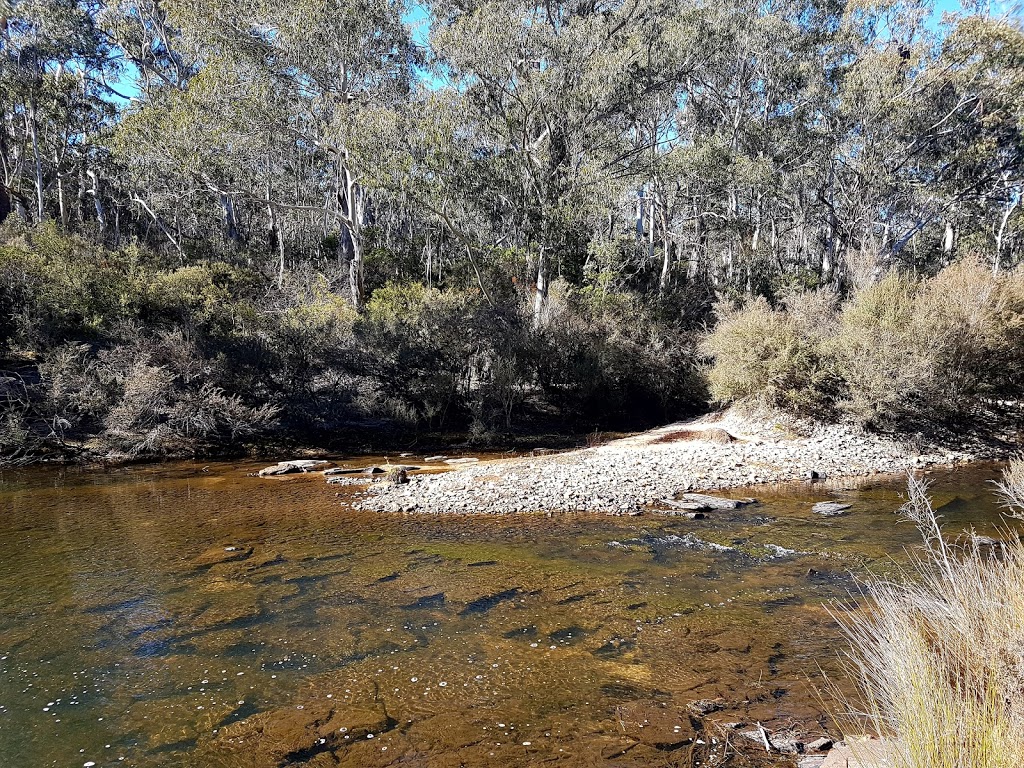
point(271, 116)
point(928, 149)
point(52, 104)
point(552, 94)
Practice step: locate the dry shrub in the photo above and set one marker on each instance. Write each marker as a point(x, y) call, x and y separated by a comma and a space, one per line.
point(935, 349)
point(899, 352)
point(939, 655)
point(774, 358)
point(150, 396)
point(885, 365)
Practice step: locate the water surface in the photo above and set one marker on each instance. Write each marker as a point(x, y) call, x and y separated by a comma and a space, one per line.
point(149, 615)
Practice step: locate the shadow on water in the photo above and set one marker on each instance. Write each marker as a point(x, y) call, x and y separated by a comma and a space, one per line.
point(181, 616)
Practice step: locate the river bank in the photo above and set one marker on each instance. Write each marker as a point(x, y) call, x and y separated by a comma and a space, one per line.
point(629, 475)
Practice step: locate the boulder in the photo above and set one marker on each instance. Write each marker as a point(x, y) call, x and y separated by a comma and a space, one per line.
point(291, 467)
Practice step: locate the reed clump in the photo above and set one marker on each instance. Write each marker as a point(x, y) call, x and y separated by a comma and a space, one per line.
point(938, 657)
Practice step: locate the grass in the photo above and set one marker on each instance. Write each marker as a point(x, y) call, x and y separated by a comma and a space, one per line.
point(938, 656)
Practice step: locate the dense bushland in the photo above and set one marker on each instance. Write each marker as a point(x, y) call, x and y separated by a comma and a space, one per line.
point(125, 352)
point(900, 353)
point(229, 219)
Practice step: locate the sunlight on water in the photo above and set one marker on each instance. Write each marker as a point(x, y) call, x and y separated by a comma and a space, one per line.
point(170, 616)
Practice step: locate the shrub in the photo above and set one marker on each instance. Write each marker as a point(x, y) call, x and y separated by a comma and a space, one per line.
point(604, 359)
point(415, 349)
point(899, 353)
point(933, 350)
point(59, 286)
point(886, 365)
point(152, 396)
point(774, 358)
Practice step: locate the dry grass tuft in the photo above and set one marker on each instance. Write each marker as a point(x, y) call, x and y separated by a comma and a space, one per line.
point(939, 656)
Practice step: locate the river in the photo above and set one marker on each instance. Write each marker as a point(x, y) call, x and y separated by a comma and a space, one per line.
point(187, 615)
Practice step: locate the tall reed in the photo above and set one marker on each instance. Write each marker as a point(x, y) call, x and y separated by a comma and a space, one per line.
point(938, 654)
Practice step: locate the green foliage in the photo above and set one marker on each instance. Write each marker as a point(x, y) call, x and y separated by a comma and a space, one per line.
point(58, 286)
point(899, 352)
point(775, 358)
point(604, 353)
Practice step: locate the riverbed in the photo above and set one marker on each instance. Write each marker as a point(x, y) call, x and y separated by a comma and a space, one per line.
point(193, 615)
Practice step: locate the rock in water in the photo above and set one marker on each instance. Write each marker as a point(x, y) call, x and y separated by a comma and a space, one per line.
point(830, 508)
point(824, 744)
point(689, 506)
point(290, 467)
point(342, 471)
point(654, 724)
point(298, 733)
point(464, 460)
point(717, 502)
point(217, 555)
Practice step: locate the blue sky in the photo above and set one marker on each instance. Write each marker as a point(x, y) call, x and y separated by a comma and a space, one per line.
point(418, 18)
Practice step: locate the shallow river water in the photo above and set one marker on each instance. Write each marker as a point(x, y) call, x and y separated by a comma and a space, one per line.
point(184, 616)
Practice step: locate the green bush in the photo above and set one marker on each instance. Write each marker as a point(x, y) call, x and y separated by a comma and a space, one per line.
point(886, 364)
point(899, 354)
point(58, 286)
point(773, 358)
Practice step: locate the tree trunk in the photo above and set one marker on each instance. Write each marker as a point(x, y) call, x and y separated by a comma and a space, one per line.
point(33, 130)
point(948, 239)
point(355, 275)
point(5, 204)
point(97, 201)
point(275, 239)
point(230, 221)
point(540, 301)
point(61, 203)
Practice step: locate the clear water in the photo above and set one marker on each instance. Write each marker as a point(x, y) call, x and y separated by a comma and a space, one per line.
point(123, 642)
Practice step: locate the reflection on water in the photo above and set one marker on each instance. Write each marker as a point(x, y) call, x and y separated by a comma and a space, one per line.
point(189, 616)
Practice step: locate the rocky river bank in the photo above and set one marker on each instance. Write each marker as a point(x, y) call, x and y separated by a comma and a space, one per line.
point(636, 473)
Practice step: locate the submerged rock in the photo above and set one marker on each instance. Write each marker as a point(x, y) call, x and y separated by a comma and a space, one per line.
point(657, 725)
point(217, 555)
point(704, 707)
point(295, 734)
point(717, 502)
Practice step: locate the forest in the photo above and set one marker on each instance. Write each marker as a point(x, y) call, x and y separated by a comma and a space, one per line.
point(230, 222)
